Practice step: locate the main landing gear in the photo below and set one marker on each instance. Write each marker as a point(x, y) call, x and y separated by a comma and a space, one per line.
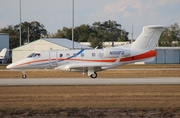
point(93, 75)
point(24, 75)
point(91, 72)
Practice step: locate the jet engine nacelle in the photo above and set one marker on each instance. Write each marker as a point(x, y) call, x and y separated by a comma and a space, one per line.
point(115, 52)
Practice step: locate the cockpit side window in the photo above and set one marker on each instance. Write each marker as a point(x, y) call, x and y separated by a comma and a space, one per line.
point(37, 55)
point(34, 55)
point(31, 55)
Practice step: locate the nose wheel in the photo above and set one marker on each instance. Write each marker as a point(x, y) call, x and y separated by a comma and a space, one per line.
point(24, 75)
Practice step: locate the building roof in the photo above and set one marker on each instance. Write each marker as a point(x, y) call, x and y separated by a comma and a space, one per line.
point(66, 43)
point(4, 34)
point(61, 42)
point(169, 48)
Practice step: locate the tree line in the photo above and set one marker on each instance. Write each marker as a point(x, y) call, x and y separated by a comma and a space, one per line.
point(96, 34)
point(108, 31)
point(170, 37)
point(34, 29)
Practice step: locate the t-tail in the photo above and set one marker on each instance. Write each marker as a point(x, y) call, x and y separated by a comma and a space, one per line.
point(3, 53)
point(149, 37)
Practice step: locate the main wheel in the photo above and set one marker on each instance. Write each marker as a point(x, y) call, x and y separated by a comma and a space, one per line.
point(93, 75)
point(24, 76)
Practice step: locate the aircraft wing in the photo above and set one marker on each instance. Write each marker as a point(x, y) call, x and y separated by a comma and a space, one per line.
point(81, 65)
point(74, 66)
point(89, 65)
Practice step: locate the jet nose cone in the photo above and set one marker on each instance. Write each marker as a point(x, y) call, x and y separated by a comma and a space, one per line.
point(9, 66)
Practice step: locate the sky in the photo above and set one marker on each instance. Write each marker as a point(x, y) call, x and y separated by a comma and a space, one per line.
point(56, 14)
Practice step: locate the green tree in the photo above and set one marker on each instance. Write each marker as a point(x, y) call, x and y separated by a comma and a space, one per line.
point(13, 35)
point(96, 40)
point(36, 31)
point(111, 30)
point(59, 34)
point(95, 34)
point(64, 33)
point(123, 36)
point(81, 33)
point(170, 37)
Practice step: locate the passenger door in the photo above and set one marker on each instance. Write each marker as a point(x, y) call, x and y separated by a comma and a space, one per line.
point(53, 61)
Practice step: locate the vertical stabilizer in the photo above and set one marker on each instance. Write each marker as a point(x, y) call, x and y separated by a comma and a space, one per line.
point(148, 38)
point(3, 53)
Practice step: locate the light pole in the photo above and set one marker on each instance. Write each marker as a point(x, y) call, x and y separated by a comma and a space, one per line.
point(72, 24)
point(132, 35)
point(20, 24)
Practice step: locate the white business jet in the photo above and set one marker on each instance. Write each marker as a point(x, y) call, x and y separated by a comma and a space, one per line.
point(3, 54)
point(92, 61)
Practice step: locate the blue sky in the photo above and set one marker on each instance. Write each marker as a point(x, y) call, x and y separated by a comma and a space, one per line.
point(56, 14)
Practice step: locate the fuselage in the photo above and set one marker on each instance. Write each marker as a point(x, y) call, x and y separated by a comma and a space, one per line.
point(53, 59)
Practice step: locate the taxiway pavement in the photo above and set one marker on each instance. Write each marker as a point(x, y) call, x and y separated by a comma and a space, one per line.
point(88, 81)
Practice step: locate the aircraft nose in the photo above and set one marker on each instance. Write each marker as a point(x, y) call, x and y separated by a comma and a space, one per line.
point(9, 66)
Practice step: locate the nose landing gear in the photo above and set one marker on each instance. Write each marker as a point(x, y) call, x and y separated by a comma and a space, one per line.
point(24, 75)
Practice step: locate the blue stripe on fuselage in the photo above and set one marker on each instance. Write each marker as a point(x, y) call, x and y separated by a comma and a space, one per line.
point(72, 55)
point(59, 60)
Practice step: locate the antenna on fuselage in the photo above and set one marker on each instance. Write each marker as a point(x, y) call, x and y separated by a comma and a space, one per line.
point(96, 47)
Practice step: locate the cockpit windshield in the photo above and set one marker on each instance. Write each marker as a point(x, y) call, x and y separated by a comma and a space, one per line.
point(34, 55)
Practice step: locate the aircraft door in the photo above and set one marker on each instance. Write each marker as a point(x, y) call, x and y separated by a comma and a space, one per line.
point(53, 62)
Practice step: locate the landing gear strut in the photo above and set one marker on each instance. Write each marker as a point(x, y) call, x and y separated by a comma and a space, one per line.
point(93, 75)
point(91, 72)
point(24, 75)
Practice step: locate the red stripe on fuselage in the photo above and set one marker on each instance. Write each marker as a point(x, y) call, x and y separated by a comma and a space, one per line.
point(148, 54)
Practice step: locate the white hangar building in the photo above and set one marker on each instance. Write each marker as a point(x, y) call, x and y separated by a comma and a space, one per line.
point(44, 44)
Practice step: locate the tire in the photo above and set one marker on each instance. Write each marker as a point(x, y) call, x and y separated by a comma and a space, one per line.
point(93, 75)
point(24, 76)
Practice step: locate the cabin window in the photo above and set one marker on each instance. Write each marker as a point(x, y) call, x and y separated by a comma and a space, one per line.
point(74, 55)
point(93, 54)
point(60, 55)
point(82, 54)
point(67, 55)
